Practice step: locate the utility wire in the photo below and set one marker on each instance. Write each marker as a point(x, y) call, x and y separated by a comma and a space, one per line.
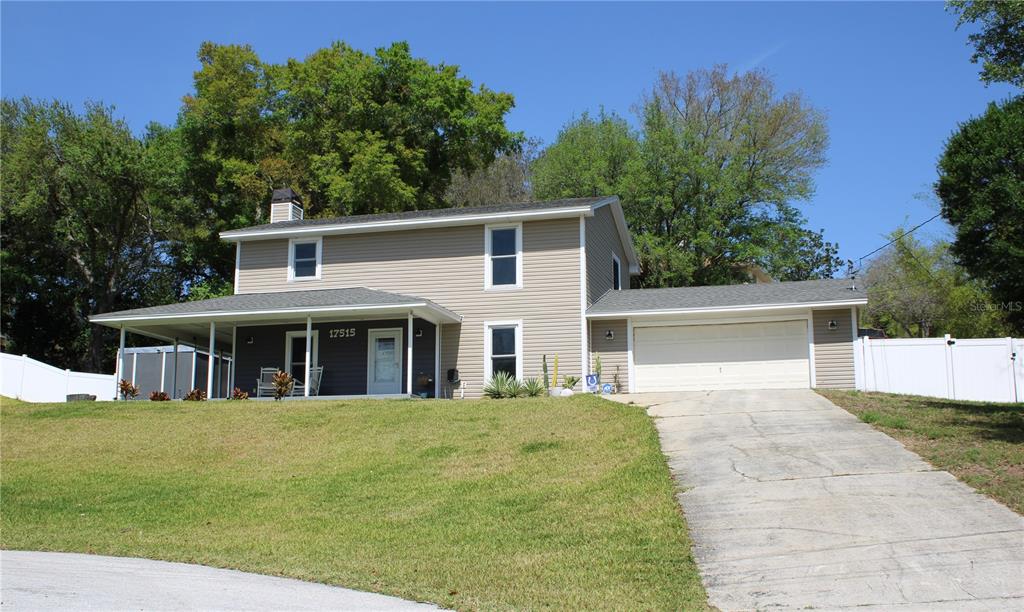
point(860, 261)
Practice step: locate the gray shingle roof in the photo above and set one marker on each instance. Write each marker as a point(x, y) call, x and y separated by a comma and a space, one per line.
point(281, 300)
point(436, 213)
point(758, 294)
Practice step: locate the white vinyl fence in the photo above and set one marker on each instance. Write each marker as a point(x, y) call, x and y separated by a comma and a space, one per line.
point(34, 381)
point(980, 369)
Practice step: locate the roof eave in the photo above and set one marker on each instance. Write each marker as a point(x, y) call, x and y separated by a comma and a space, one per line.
point(408, 224)
point(437, 313)
point(626, 314)
point(622, 226)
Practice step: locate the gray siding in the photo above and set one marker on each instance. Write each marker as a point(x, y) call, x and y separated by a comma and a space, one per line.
point(446, 265)
point(602, 241)
point(833, 349)
point(344, 358)
point(614, 353)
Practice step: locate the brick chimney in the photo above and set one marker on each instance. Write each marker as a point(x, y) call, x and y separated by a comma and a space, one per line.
point(285, 205)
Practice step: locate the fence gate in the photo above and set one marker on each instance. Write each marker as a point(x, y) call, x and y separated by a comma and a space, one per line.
point(978, 369)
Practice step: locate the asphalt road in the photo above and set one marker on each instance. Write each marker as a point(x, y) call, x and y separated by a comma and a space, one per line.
point(69, 581)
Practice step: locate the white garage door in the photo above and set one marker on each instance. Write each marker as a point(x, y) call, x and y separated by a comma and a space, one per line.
point(728, 356)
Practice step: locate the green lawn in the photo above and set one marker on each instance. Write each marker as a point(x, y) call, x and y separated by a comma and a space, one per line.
point(981, 443)
point(530, 503)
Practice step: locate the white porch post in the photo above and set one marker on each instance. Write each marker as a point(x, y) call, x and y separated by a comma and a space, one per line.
point(437, 360)
point(163, 370)
point(135, 365)
point(192, 376)
point(209, 363)
point(408, 360)
point(234, 358)
point(119, 366)
point(220, 370)
point(174, 385)
point(309, 353)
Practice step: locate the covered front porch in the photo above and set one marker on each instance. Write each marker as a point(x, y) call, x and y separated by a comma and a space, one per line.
point(367, 342)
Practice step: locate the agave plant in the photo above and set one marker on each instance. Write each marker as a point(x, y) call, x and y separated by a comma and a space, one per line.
point(515, 388)
point(570, 381)
point(499, 385)
point(533, 387)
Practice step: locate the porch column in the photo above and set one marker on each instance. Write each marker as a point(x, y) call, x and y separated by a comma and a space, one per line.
point(209, 364)
point(163, 370)
point(408, 360)
point(174, 385)
point(220, 370)
point(234, 359)
point(309, 353)
point(192, 376)
point(437, 360)
point(119, 366)
point(135, 365)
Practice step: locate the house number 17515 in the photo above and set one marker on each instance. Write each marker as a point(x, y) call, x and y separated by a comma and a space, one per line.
point(348, 332)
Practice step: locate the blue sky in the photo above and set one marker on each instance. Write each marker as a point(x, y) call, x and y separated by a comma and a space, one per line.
point(894, 79)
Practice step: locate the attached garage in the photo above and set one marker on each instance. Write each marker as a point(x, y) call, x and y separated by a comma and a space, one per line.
point(769, 355)
point(787, 335)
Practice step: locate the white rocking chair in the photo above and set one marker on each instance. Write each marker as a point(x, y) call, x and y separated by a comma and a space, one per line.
point(315, 376)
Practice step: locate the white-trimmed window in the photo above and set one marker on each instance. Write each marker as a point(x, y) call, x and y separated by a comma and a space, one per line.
point(305, 256)
point(503, 348)
point(503, 245)
point(616, 272)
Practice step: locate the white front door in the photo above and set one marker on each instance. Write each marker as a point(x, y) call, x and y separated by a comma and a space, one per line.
point(769, 355)
point(384, 362)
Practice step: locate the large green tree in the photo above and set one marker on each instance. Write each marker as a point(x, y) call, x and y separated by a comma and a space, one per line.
point(981, 186)
point(708, 181)
point(81, 235)
point(999, 41)
point(352, 132)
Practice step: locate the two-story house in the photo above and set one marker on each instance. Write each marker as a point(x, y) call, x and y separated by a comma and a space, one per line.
point(434, 302)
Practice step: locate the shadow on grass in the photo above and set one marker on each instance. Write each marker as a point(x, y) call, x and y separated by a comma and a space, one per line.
point(1004, 422)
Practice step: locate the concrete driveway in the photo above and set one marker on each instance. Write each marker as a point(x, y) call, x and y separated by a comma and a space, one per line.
point(68, 581)
point(792, 502)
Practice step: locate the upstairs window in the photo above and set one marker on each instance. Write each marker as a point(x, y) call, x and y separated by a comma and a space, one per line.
point(616, 273)
point(304, 259)
point(504, 248)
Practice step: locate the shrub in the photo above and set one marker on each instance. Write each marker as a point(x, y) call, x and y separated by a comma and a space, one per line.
point(128, 390)
point(533, 387)
point(499, 386)
point(159, 396)
point(195, 395)
point(238, 394)
point(570, 381)
point(283, 384)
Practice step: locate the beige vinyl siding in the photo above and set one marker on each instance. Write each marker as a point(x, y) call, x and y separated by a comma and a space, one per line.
point(614, 353)
point(602, 240)
point(446, 265)
point(833, 349)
